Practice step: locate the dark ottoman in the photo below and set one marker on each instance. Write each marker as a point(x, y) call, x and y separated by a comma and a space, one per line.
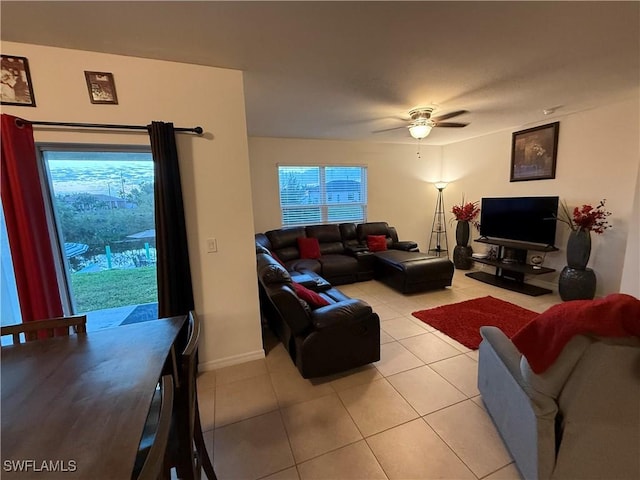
point(411, 272)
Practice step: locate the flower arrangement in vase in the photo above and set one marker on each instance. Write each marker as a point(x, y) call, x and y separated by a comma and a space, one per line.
point(587, 217)
point(576, 280)
point(465, 214)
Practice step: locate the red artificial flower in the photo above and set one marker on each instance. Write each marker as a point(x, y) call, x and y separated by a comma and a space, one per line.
point(587, 217)
point(466, 212)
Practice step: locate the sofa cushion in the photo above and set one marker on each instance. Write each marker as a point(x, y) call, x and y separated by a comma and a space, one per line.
point(312, 298)
point(309, 247)
point(338, 266)
point(261, 249)
point(372, 228)
point(348, 234)
point(304, 265)
point(325, 233)
point(553, 379)
point(284, 237)
point(377, 243)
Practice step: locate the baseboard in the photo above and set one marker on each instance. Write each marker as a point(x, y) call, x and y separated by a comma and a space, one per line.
point(233, 360)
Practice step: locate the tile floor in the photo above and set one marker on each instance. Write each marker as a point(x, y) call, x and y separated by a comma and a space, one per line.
point(415, 414)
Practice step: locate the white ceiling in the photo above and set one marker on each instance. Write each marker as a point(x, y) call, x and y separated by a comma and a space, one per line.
point(342, 70)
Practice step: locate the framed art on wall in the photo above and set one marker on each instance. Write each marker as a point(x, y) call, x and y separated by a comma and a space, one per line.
point(102, 88)
point(534, 152)
point(16, 82)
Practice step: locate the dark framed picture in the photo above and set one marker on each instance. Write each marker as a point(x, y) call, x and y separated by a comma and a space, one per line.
point(16, 82)
point(102, 88)
point(534, 152)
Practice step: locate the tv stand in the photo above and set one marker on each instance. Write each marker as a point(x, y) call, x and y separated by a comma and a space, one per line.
point(511, 266)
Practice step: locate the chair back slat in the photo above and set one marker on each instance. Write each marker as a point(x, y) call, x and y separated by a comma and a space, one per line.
point(189, 428)
point(189, 359)
point(51, 327)
point(154, 463)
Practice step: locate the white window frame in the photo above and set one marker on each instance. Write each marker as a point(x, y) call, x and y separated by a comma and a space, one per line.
point(324, 205)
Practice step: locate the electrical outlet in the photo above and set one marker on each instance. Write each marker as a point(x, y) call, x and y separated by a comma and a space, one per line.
point(212, 245)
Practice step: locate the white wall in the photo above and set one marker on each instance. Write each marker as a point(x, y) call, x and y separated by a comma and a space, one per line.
point(631, 273)
point(214, 168)
point(598, 157)
point(399, 183)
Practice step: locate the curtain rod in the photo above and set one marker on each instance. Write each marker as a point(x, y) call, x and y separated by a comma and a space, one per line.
point(197, 130)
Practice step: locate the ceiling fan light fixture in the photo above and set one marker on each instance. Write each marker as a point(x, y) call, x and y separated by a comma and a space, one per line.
point(419, 130)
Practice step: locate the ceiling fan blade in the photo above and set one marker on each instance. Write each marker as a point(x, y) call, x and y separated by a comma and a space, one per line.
point(389, 129)
point(448, 115)
point(450, 124)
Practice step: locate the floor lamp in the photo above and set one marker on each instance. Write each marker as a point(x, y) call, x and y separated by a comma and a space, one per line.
point(438, 244)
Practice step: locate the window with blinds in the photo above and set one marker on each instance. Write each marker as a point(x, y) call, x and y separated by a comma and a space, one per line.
point(322, 194)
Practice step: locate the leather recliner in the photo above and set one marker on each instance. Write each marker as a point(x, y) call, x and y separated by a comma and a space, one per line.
point(340, 336)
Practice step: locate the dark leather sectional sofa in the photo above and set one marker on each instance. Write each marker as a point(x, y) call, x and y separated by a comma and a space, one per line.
point(345, 257)
point(343, 333)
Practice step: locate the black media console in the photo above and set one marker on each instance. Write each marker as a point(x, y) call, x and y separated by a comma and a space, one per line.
point(511, 266)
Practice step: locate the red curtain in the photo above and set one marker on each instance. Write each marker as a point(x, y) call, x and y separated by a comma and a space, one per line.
point(26, 220)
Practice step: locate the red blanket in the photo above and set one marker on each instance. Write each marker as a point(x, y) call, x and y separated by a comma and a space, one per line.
point(544, 337)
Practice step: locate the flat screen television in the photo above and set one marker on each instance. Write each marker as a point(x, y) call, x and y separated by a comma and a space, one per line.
point(525, 219)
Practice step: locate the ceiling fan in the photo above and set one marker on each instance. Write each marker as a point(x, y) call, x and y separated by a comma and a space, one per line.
point(421, 122)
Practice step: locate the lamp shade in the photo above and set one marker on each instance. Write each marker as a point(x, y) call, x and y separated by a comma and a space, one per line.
point(419, 130)
point(440, 185)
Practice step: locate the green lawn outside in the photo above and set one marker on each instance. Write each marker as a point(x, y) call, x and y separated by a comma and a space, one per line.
point(114, 288)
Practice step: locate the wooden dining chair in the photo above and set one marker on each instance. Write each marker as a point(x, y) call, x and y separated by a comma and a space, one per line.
point(187, 451)
point(150, 461)
point(51, 327)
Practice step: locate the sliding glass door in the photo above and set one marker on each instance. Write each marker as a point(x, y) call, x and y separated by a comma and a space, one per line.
point(103, 211)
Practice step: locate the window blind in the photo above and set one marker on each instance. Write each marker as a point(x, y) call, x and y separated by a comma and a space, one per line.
point(322, 194)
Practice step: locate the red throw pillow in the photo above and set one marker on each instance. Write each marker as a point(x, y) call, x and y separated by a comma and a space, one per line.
point(309, 247)
point(309, 296)
point(376, 243)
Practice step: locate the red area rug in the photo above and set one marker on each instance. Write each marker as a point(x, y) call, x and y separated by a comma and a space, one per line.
point(462, 321)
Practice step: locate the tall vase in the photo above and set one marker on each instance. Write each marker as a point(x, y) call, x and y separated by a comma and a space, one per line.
point(462, 233)
point(577, 282)
point(462, 252)
point(579, 249)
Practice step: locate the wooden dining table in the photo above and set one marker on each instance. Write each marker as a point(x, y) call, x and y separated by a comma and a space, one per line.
point(75, 406)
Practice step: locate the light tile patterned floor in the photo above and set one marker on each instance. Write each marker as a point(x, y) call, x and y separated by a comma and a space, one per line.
point(415, 414)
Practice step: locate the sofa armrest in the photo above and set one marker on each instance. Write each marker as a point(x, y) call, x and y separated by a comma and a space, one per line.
point(345, 312)
point(504, 349)
point(526, 419)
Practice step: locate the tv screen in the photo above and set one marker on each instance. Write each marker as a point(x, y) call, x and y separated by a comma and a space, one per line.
point(526, 219)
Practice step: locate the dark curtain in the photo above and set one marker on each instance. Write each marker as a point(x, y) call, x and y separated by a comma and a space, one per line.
point(27, 227)
point(175, 292)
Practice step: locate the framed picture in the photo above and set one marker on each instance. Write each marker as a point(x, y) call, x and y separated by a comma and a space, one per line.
point(102, 88)
point(534, 152)
point(16, 82)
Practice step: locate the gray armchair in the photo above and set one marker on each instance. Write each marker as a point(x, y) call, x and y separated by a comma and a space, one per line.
point(580, 419)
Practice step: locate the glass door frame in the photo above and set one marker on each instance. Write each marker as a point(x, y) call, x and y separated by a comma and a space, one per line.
point(60, 259)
